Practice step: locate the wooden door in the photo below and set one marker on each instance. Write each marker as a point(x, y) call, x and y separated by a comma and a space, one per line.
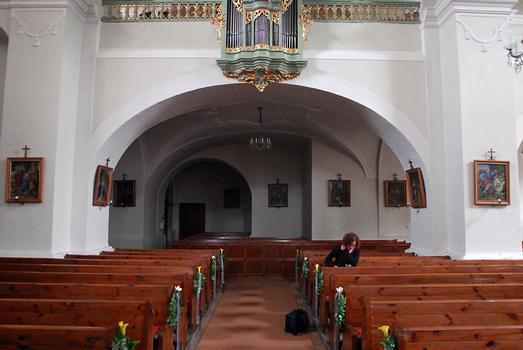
point(192, 219)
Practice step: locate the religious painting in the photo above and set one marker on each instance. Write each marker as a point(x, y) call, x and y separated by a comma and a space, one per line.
point(395, 193)
point(491, 182)
point(278, 195)
point(339, 193)
point(231, 198)
point(102, 186)
point(124, 193)
point(416, 187)
point(24, 181)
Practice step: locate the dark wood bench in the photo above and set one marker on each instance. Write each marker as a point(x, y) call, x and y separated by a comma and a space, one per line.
point(37, 337)
point(429, 313)
point(357, 294)
point(91, 313)
point(461, 337)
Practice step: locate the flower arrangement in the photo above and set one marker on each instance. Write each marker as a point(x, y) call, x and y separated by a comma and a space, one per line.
point(213, 268)
point(199, 278)
point(221, 260)
point(319, 279)
point(305, 268)
point(340, 304)
point(388, 342)
point(121, 341)
point(174, 306)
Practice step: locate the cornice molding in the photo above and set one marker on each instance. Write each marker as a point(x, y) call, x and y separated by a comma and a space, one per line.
point(81, 8)
point(437, 13)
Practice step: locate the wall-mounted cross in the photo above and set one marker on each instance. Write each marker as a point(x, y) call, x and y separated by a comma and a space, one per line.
point(411, 166)
point(491, 154)
point(107, 161)
point(395, 177)
point(339, 176)
point(26, 149)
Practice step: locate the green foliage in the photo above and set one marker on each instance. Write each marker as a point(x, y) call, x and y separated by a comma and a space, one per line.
point(213, 268)
point(199, 278)
point(174, 316)
point(389, 342)
point(319, 281)
point(305, 269)
point(122, 342)
point(339, 316)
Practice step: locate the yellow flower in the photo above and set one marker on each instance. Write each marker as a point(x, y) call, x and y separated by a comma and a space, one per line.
point(122, 326)
point(385, 330)
point(199, 269)
point(317, 266)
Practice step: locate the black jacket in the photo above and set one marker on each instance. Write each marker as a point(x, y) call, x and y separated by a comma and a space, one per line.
point(342, 258)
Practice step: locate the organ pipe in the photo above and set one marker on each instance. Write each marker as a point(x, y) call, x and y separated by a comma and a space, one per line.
point(234, 30)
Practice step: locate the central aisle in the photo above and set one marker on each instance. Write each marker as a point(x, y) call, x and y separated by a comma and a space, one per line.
point(251, 315)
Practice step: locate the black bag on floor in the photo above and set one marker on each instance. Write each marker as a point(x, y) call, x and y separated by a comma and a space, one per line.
point(296, 321)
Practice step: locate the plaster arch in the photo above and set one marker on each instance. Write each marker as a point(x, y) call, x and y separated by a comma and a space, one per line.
point(138, 114)
point(169, 177)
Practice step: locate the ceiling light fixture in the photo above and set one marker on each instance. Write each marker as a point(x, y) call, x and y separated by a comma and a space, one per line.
point(260, 142)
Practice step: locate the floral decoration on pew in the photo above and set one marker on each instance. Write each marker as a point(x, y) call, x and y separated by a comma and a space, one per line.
point(121, 341)
point(298, 261)
point(175, 307)
point(305, 268)
point(340, 304)
point(199, 278)
point(213, 268)
point(319, 279)
point(221, 260)
point(388, 342)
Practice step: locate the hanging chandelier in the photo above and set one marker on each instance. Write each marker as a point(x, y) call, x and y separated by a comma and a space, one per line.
point(260, 142)
point(513, 53)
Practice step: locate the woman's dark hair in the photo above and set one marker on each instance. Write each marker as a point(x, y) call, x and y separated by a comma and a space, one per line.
point(348, 238)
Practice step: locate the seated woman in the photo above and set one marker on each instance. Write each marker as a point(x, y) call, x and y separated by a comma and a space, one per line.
point(346, 255)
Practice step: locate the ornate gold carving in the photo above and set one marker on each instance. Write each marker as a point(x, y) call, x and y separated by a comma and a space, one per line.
point(261, 77)
point(276, 17)
point(260, 12)
point(306, 22)
point(218, 22)
point(285, 4)
point(248, 17)
point(286, 50)
point(238, 4)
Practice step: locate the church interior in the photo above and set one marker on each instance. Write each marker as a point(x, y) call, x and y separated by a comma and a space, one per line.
point(261, 174)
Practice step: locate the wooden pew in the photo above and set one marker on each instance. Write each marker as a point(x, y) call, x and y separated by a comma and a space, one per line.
point(92, 313)
point(37, 337)
point(429, 313)
point(357, 294)
point(159, 295)
point(461, 337)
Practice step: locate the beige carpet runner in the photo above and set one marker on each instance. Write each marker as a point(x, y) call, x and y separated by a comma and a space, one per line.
point(251, 315)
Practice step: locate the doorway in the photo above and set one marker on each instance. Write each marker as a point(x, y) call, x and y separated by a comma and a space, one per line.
point(192, 219)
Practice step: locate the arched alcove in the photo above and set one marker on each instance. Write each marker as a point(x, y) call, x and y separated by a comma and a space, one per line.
point(207, 116)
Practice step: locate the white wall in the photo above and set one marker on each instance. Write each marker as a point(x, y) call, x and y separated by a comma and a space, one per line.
point(331, 222)
point(261, 169)
point(393, 222)
point(126, 224)
point(205, 182)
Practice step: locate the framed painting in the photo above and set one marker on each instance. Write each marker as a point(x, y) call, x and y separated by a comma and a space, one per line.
point(339, 193)
point(102, 186)
point(491, 182)
point(124, 193)
point(395, 193)
point(278, 195)
point(25, 180)
point(231, 198)
point(416, 188)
